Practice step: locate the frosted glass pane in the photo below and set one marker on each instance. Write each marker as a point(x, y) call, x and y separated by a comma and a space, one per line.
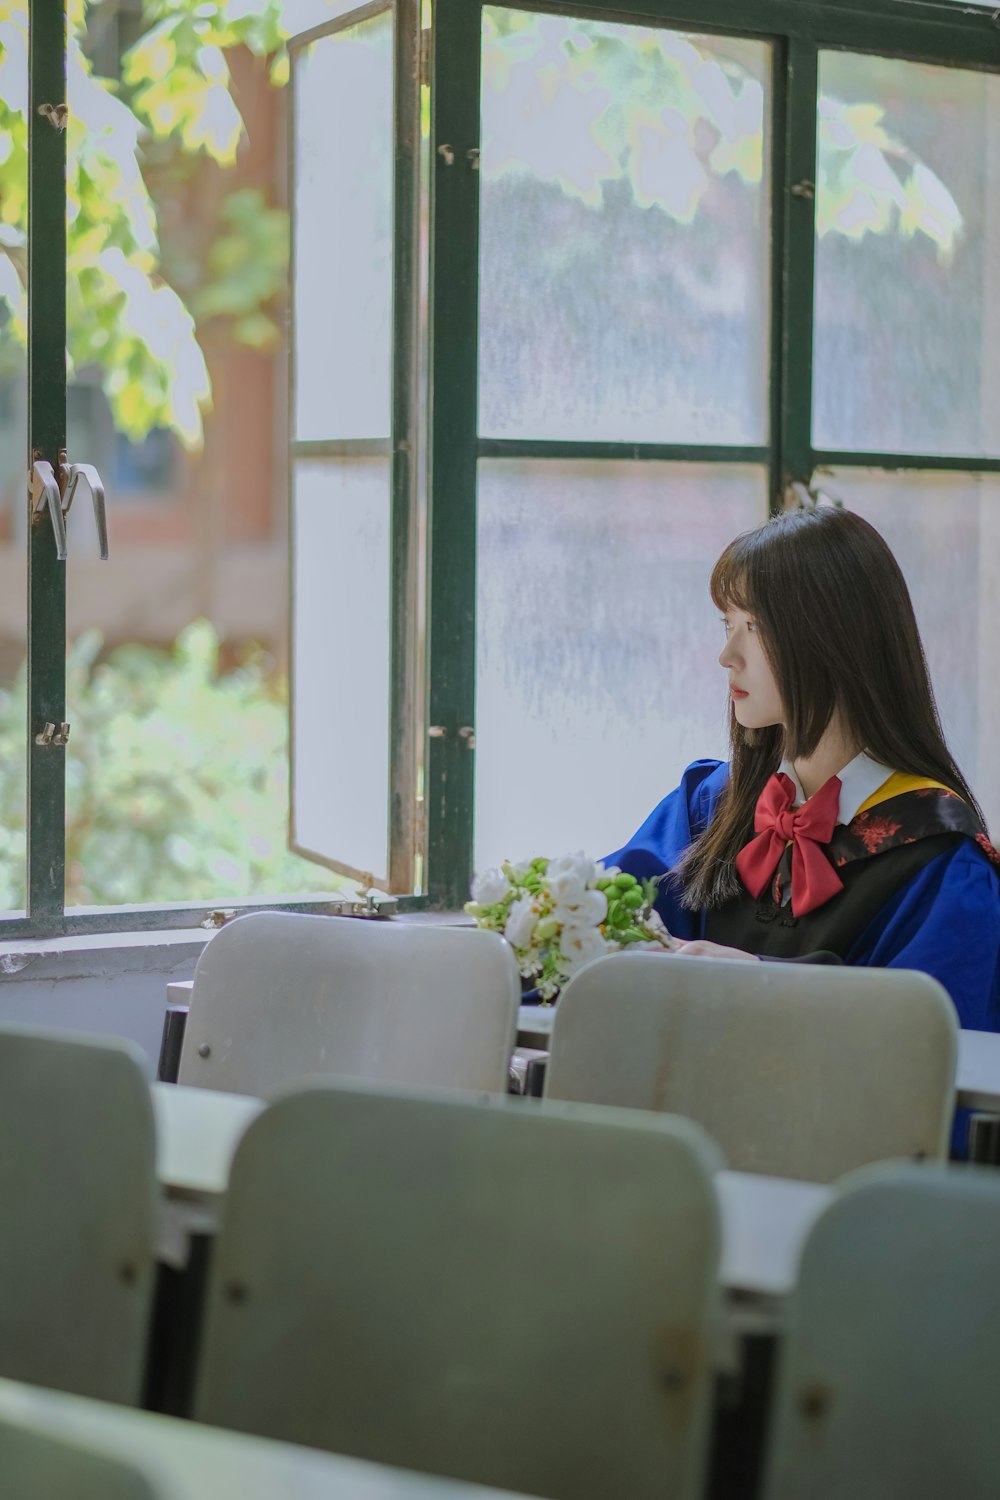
point(945, 532)
point(340, 662)
point(623, 232)
point(907, 347)
point(597, 679)
point(342, 285)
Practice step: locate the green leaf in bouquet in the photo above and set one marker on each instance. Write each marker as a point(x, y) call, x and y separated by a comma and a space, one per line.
point(631, 935)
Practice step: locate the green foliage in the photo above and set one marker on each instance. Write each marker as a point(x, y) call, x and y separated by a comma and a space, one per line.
point(666, 113)
point(179, 75)
point(176, 778)
point(123, 315)
point(869, 182)
point(656, 109)
point(247, 265)
point(12, 780)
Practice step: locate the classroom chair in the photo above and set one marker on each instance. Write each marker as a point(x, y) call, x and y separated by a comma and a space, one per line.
point(77, 1205)
point(886, 1387)
point(280, 996)
point(470, 1287)
point(41, 1466)
point(794, 1070)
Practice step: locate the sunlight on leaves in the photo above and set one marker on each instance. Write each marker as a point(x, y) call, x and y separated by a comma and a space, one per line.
point(177, 784)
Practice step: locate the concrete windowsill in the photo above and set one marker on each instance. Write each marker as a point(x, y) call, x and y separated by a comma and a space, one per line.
point(88, 955)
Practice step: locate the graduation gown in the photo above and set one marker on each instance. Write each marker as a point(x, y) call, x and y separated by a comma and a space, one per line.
point(921, 890)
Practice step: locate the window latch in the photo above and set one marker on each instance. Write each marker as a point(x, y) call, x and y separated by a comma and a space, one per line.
point(44, 491)
point(94, 482)
point(58, 494)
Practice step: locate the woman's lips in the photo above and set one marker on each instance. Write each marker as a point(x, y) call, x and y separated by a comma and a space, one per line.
point(735, 692)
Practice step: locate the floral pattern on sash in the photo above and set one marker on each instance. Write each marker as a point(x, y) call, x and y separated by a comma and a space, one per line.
point(904, 819)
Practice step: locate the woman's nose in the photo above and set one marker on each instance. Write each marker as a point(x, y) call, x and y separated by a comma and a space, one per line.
point(726, 656)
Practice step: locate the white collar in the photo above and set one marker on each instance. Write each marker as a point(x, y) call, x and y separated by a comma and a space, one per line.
point(858, 780)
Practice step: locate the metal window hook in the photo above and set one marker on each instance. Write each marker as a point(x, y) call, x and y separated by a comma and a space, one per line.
point(87, 472)
point(44, 491)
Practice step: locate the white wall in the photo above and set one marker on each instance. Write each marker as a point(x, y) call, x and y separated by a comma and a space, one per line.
point(102, 985)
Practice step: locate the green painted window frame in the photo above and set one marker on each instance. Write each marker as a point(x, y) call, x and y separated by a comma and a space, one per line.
point(912, 29)
point(933, 31)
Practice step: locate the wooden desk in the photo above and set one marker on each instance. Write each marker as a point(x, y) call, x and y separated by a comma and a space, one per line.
point(534, 1024)
point(978, 1084)
point(977, 1080)
point(197, 1131)
point(764, 1219)
point(187, 1461)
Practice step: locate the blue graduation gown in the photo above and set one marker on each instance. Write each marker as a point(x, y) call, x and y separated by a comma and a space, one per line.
point(944, 921)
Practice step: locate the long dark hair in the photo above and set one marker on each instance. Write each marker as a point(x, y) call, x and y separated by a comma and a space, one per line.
point(837, 627)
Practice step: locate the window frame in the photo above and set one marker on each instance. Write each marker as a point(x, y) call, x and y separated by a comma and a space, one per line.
point(446, 440)
point(916, 30)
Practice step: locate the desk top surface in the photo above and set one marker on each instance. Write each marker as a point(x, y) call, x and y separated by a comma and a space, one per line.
point(188, 1461)
point(764, 1219)
point(977, 1081)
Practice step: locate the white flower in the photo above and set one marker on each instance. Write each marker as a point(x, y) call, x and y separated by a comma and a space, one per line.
point(489, 887)
point(579, 945)
point(567, 888)
point(579, 865)
point(589, 911)
point(520, 926)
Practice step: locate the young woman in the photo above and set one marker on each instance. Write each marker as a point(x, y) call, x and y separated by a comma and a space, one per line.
point(841, 829)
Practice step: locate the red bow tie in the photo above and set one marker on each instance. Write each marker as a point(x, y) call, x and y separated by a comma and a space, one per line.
point(814, 880)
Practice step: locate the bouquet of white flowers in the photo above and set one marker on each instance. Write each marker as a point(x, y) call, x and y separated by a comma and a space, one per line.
point(558, 914)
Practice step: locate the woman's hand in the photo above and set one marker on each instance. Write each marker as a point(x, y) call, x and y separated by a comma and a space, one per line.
point(702, 949)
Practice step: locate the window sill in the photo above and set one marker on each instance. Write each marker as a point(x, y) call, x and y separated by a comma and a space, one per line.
point(92, 954)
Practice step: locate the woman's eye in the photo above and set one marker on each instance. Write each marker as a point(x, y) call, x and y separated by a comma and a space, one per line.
point(751, 624)
point(725, 624)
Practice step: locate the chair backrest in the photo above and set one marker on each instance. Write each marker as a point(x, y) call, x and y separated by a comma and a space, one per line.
point(887, 1381)
point(40, 1466)
point(475, 1288)
point(279, 997)
point(77, 1213)
point(795, 1070)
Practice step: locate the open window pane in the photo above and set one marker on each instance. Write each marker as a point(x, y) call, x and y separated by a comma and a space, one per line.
point(623, 232)
point(341, 654)
point(177, 772)
point(597, 679)
point(343, 233)
point(945, 532)
point(907, 343)
point(13, 454)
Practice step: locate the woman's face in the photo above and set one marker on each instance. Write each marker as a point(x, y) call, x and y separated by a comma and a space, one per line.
point(756, 700)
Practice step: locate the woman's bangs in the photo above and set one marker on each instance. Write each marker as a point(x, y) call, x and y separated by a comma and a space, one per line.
point(730, 583)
